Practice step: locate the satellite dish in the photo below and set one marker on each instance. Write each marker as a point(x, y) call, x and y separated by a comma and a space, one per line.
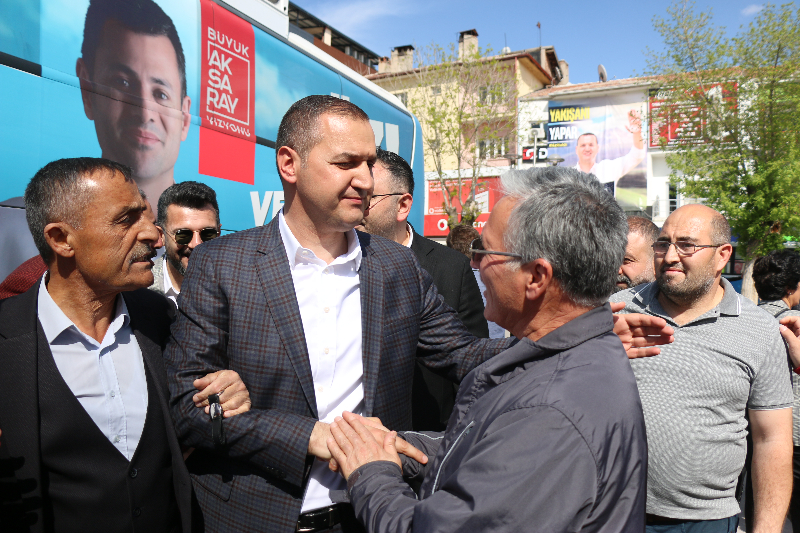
point(601, 70)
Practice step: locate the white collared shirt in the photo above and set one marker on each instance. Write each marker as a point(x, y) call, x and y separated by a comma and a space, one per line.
point(329, 298)
point(410, 231)
point(169, 289)
point(107, 378)
point(611, 170)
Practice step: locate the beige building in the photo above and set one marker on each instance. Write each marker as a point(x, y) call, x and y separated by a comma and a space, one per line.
point(531, 70)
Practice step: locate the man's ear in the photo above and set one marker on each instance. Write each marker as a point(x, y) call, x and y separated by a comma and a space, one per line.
point(86, 87)
point(724, 253)
point(404, 207)
point(288, 163)
point(186, 107)
point(59, 237)
point(539, 275)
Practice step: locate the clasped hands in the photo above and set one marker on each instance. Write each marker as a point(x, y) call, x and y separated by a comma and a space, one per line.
point(351, 441)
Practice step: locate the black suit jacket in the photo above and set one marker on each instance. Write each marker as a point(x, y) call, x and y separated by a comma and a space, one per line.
point(21, 336)
point(434, 395)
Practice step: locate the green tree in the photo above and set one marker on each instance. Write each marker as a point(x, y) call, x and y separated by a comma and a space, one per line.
point(465, 102)
point(732, 108)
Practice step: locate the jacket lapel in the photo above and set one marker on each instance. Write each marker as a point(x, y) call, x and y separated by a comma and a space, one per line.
point(275, 276)
point(20, 338)
point(371, 286)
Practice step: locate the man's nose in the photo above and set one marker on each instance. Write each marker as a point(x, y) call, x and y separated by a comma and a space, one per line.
point(620, 270)
point(150, 233)
point(362, 180)
point(195, 240)
point(672, 255)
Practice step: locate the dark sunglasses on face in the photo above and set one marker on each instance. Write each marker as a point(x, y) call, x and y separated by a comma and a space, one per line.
point(476, 249)
point(185, 236)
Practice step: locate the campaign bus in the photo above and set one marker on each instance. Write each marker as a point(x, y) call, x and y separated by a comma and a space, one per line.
point(177, 90)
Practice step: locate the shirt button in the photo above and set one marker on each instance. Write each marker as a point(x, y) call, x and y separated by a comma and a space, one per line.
point(327, 309)
point(320, 388)
point(137, 512)
point(326, 350)
point(326, 271)
point(116, 439)
point(113, 394)
point(134, 472)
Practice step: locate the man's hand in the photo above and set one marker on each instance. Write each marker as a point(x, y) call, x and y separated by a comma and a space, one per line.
point(233, 395)
point(352, 445)
point(790, 330)
point(641, 334)
point(318, 443)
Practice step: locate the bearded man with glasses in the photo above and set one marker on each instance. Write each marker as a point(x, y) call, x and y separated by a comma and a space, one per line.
point(188, 215)
point(728, 358)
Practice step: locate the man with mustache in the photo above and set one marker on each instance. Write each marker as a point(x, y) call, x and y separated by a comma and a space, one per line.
point(133, 83)
point(728, 359)
point(188, 215)
point(87, 439)
point(637, 267)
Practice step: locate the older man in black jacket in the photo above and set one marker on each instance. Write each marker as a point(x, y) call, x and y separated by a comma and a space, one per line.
point(548, 435)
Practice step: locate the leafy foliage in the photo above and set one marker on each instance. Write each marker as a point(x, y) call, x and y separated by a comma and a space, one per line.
point(732, 107)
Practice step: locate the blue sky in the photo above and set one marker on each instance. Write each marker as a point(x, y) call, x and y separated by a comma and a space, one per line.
point(584, 32)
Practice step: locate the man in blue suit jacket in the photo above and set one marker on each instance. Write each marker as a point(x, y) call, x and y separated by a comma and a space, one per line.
point(316, 318)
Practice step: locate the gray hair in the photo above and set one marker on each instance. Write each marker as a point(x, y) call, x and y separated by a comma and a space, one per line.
point(568, 218)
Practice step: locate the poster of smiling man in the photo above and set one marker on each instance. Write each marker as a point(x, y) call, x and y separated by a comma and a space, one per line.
point(603, 136)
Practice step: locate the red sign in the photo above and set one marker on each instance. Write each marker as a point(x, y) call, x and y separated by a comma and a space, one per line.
point(227, 95)
point(487, 193)
point(683, 122)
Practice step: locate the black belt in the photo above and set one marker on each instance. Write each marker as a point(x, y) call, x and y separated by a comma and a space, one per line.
point(321, 519)
point(655, 520)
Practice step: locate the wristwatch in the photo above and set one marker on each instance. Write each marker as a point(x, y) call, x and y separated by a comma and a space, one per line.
point(215, 412)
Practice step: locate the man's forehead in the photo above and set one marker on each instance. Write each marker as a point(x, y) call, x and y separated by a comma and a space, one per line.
point(691, 227)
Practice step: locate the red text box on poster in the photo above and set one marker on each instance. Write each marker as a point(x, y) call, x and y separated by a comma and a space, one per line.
point(227, 95)
point(487, 193)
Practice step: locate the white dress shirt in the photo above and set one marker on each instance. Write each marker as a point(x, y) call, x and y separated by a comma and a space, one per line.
point(329, 298)
point(169, 289)
point(107, 378)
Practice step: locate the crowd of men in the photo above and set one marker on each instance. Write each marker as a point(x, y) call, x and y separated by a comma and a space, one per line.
point(333, 370)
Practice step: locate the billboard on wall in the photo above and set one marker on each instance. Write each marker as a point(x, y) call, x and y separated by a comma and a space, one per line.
point(487, 193)
point(683, 122)
point(603, 136)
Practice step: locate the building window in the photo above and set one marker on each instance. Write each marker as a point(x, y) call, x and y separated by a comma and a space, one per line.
point(493, 148)
point(436, 90)
point(403, 97)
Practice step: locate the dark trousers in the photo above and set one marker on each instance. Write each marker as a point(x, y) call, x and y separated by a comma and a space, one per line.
point(723, 525)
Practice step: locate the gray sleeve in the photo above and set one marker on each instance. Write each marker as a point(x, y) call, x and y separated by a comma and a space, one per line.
point(772, 385)
point(531, 467)
point(425, 441)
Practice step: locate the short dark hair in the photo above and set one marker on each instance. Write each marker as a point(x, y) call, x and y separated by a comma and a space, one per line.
point(190, 194)
point(460, 237)
point(399, 170)
point(58, 193)
point(299, 129)
point(776, 273)
point(144, 17)
point(644, 227)
point(588, 133)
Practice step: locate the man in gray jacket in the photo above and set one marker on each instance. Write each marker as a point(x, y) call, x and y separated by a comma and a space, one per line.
point(548, 435)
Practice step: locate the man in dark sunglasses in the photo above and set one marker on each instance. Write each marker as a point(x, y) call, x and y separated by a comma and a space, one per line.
point(188, 215)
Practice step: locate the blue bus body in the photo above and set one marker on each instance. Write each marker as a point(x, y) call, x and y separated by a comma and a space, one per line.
point(43, 115)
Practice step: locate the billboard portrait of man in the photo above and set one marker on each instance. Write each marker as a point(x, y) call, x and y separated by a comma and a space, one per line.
point(133, 85)
point(609, 171)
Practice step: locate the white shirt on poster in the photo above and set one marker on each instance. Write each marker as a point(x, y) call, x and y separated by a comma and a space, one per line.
point(611, 170)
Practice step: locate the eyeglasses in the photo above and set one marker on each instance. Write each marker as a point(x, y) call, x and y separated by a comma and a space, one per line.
point(373, 203)
point(476, 249)
point(185, 236)
point(682, 247)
